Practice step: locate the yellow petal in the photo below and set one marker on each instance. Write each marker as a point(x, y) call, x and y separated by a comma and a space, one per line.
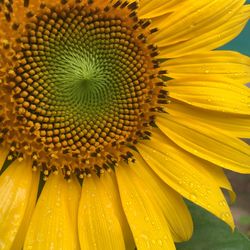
point(15, 188)
point(112, 191)
point(98, 221)
point(54, 222)
point(207, 142)
point(193, 19)
point(226, 66)
point(146, 220)
point(236, 125)
point(220, 178)
point(211, 95)
point(211, 34)
point(183, 172)
point(3, 154)
point(20, 236)
point(150, 9)
point(211, 170)
point(171, 203)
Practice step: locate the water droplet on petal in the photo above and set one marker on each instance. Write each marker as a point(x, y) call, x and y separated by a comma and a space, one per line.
point(145, 238)
point(193, 197)
point(191, 184)
point(222, 203)
point(160, 243)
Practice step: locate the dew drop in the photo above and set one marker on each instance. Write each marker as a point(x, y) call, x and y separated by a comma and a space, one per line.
point(193, 197)
point(160, 243)
point(225, 216)
point(145, 238)
point(48, 212)
point(146, 218)
point(222, 203)
point(128, 203)
point(166, 158)
point(191, 184)
point(209, 191)
point(60, 234)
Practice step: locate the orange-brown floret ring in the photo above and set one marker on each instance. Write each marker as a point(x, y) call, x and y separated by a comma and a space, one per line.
point(83, 88)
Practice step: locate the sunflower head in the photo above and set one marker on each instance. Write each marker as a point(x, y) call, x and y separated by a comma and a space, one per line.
point(132, 86)
point(83, 83)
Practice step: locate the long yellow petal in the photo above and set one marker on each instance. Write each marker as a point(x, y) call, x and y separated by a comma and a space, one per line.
point(194, 18)
point(98, 221)
point(220, 178)
point(211, 39)
point(20, 237)
point(210, 170)
point(236, 125)
point(54, 222)
point(112, 191)
point(146, 220)
point(151, 9)
point(226, 66)
point(207, 142)
point(182, 171)
point(171, 203)
point(211, 95)
point(15, 188)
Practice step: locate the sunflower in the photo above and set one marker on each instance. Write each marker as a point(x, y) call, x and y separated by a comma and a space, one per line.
point(111, 113)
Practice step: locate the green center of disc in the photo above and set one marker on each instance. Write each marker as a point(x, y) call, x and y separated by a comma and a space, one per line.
point(81, 82)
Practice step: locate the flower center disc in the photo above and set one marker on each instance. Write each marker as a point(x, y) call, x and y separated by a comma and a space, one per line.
point(84, 85)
